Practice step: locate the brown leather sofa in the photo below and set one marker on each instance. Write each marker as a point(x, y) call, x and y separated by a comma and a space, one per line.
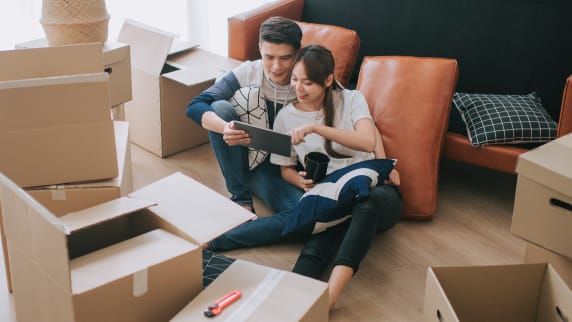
point(407, 96)
point(503, 157)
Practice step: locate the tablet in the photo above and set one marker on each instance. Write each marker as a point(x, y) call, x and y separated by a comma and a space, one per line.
point(266, 139)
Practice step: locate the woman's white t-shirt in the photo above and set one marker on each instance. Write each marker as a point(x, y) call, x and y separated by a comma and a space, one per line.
point(350, 107)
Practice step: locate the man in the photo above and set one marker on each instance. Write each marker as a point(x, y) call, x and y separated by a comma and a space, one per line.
point(279, 41)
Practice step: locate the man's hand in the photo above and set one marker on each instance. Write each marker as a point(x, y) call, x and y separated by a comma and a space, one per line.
point(234, 137)
point(393, 178)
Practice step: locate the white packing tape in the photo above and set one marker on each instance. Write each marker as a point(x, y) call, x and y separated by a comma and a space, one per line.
point(140, 283)
point(262, 291)
point(58, 193)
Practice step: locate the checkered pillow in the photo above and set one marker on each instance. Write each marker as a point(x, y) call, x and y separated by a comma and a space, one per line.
point(501, 119)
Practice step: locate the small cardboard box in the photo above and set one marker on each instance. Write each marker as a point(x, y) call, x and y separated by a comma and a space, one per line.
point(543, 199)
point(66, 198)
point(562, 264)
point(164, 83)
point(267, 295)
point(55, 128)
point(507, 293)
point(125, 260)
point(117, 64)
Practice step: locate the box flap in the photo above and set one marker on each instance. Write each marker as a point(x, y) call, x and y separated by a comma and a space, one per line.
point(112, 209)
point(555, 303)
point(549, 164)
point(114, 52)
point(149, 46)
point(264, 292)
point(125, 258)
point(196, 210)
point(34, 231)
point(51, 61)
point(181, 46)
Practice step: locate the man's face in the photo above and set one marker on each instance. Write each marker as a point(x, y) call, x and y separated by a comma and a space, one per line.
point(277, 60)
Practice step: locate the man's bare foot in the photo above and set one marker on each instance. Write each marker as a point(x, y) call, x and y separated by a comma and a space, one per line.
point(248, 207)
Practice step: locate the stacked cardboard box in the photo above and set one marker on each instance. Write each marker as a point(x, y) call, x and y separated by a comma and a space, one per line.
point(166, 76)
point(135, 258)
point(523, 292)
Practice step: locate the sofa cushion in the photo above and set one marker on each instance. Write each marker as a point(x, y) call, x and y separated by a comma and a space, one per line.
point(503, 119)
point(409, 99)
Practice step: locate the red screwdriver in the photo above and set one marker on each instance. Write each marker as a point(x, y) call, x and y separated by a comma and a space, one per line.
point(220, 304)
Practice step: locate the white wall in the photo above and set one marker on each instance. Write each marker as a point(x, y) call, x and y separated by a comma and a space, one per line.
point(202, 21)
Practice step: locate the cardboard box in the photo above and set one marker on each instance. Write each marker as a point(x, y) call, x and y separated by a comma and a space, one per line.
point(519, 293)
point(267, 295)
point(163, 86)
point(118, 112)
point(125, 260)
point(562, 264)
point(63, 199)
point(543, 199)
point(55, 128)
point(117, 64)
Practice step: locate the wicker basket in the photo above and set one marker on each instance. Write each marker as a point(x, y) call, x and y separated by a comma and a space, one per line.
point(74, 21)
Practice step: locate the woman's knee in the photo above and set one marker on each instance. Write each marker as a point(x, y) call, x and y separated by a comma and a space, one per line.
point(224, 110)
point(388, 200)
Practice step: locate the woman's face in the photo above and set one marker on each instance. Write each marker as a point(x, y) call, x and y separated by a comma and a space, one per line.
point(277, 60)
point(307, 91)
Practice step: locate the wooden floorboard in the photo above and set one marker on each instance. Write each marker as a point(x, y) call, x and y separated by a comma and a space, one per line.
point(471, 227)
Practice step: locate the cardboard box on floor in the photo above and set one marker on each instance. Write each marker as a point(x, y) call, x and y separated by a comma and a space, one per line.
point(125, 260)
point(508, 293)
point(267, 295)
point(543, 198)
point(163, 86)
point(562, 264)
point(66, 198)
point(117, 64)
point(55, 123)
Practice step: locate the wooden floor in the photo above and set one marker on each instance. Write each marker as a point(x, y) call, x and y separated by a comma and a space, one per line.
point(471, 227)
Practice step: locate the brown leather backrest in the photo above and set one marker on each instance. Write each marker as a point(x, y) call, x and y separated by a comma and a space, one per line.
point(565, 122)
point(344, 44)
point(243, 28)
point(410, 100)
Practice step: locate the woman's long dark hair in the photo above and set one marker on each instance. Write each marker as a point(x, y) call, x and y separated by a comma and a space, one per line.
point(319, 64)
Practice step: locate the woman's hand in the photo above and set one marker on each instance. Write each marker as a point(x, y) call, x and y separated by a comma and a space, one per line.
point(393, 178)
point(298, 134)
point(234, 137)
point(305, 184)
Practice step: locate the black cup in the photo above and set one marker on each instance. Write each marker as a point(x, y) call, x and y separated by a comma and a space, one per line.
point(316, 165)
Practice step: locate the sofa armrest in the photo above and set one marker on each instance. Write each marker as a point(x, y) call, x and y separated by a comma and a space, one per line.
point(565, 121)
point(243, 28)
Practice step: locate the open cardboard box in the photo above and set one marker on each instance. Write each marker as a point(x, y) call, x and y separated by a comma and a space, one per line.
point(543, 199)
point(562, 264)
point(166, 77)
point(267, 295)
point(507, 293)
point(125, 260)
point(55, 123)
point(117, 64)
point(66, 198)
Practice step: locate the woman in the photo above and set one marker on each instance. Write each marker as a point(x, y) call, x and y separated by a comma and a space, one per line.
point(335, 121)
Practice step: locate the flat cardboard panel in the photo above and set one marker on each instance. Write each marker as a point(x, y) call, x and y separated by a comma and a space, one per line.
point(549, 165)
point(117, 63)
point(562, 264)
point(264, 294)
point(149, 46)
point(56, 130)
point(211, 214)
point(178, 132)
point(35, 157)
point(526, 292)
point(51, 61)
point(537, 219)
